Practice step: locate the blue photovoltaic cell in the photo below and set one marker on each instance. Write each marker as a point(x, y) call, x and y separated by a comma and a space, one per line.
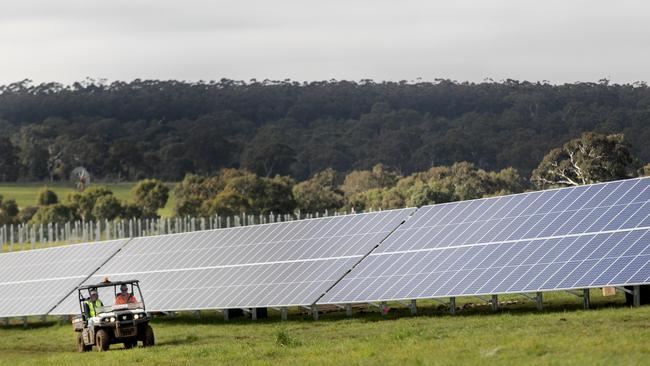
point(280, 264)
point(587, 236)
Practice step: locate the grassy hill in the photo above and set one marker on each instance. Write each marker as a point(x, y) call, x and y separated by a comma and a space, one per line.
point(26, 194)
point(563, 334)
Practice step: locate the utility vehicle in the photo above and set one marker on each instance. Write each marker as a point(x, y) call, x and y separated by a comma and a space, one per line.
point(125, 323)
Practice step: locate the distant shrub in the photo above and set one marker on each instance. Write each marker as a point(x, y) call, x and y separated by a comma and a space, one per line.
point(47, 197)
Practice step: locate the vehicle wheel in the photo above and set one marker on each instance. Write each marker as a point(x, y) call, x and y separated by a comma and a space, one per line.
point(102, 340)
point(81, 346)
point(130, 344)
point(149, 339)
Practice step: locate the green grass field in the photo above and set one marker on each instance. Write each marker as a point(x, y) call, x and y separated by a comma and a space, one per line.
point(563, 334)
point(26, 194)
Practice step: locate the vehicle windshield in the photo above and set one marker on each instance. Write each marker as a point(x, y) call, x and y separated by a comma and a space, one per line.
point(116, 297)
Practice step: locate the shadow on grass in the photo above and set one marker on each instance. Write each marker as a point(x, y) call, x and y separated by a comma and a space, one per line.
point(372, 314)
point(30, 325)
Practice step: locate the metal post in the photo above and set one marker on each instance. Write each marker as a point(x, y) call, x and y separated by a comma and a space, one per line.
point(585, 298)
point(539, 300)
point(495, 302)
point(197, 314)
point(25, 323)
point(348, 309)
point(636, 294)
point(452, 305)
point(284, 313)
point(226, 316)
point(314, 311)
point(43, 318)
point(254, 313)
point(63, 319)
point(414, 307)
point(6, 322)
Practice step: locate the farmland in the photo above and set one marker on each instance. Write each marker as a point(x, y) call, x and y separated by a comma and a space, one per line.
point(609, 333)
point(26, 193)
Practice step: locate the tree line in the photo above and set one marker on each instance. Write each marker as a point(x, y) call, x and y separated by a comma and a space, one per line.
point(588, 159)
point(126, 131)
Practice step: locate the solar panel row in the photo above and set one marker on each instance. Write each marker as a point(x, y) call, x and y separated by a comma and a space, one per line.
point(588, 236)
point(281, 264)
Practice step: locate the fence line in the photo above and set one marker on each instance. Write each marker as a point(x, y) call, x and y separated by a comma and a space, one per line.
point(34, 236)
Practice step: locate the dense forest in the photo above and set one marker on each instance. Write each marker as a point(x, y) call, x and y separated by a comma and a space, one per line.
point(166, 129)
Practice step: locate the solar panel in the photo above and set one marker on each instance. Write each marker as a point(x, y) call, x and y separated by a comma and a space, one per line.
point(280, 264)
point(588, 236)
point(34, 281)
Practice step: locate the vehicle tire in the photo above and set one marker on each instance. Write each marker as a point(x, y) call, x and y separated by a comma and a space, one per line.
point(130, 343)
point(81, 346)
point(102, 340)
point(149, 339)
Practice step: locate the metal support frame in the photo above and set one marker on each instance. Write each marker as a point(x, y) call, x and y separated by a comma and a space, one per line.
point(314, 311)
point(585, 298)
point(452, 305)
point(226, 314)
point(25, 322)
point(539, 301)
point(254, 313)
point(624, 290)
point(348, 309)
point(6, 322)
point(414, 307)
point(440, 301)
point(43, 318)
point(636, 296)
point(482, 298)
point(284, 313)
point(574, 293)
point(197, 314)
point(529, 297)
point(494, 302)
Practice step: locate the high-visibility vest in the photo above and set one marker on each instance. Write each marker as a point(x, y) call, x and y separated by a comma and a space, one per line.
point(119, 300)
point(92, 308)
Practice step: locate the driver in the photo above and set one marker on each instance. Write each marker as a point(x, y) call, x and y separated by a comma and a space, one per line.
point(92, 304)
point(124, 297)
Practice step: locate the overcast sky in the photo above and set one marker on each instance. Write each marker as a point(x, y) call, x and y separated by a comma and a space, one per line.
point(559, 41)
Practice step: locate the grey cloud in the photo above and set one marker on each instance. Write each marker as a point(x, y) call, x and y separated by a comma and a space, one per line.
point(560, 41)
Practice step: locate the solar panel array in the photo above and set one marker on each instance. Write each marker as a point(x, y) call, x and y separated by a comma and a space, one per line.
point(280, 264)
point(32, 282)
point(587, 236)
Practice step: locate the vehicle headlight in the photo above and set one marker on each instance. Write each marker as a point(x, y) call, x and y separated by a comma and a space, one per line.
point(112, 319)
point(136, 316)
